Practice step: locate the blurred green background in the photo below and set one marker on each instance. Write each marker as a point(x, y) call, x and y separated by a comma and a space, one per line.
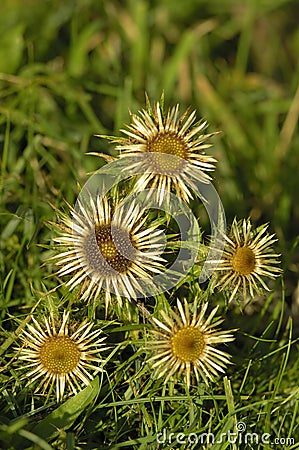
point(72, 69)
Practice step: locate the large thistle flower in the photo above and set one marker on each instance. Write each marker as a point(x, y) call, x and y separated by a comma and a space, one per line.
point(246, 260)
point(106, 247)
point(168, 151)
point(184, 344)
point(59, 357)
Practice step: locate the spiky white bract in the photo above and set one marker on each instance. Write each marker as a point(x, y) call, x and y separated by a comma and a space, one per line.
point(168, 150)
point(109, 247)
point(246, 260)
point(60, 358)
point(183, 344)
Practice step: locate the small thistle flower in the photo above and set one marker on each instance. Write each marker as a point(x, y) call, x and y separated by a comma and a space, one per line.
point(247, 257)
point(113, 252)
point(60, 357)
point(167, 150)
point(184, 344)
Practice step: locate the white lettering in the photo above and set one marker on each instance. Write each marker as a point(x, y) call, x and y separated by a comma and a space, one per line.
point(164, 437)
point(179, 440)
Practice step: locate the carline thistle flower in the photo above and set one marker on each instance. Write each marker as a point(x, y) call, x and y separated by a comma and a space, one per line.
point(59, 357)
point(168, 151)
point(108, 247)
point(184, 344)
point(247, 258)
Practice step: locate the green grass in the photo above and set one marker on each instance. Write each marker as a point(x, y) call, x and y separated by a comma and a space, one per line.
point(72, 70)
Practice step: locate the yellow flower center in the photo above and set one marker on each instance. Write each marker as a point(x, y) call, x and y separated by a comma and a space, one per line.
point(168, 143)
point(108, 250)
point(117, 250)
point(59, 355)
point(169, 149)
point(243, 261)
point(188, 344)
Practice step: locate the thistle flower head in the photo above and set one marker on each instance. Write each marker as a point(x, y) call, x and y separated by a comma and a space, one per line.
point(168, 150)
point(108, 247)
point(59, 357)
point(183, 343)
point(247, 259)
